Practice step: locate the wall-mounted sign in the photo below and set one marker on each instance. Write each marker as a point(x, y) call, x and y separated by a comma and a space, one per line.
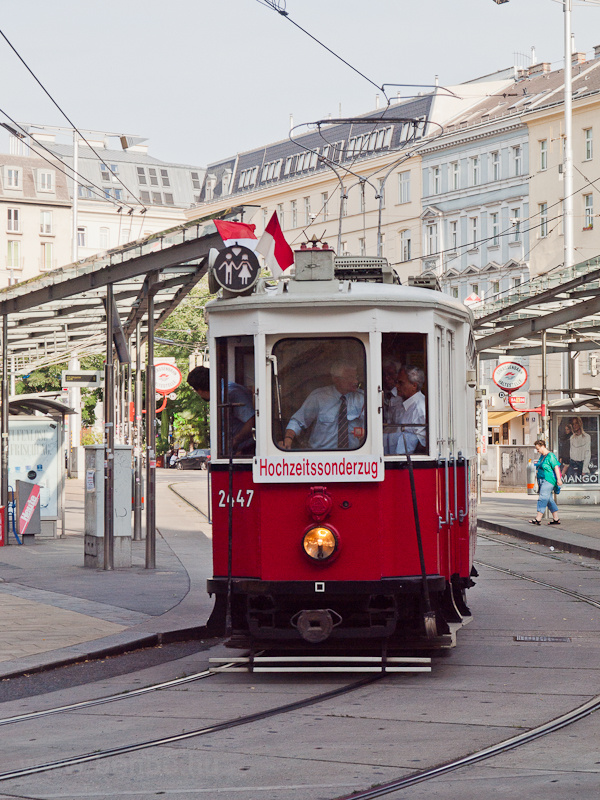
point(167, 378)
point(510, 376)
point(81, 379)
point(236, 268)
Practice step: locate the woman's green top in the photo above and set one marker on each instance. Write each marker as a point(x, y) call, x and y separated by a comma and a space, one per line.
point(546, 470)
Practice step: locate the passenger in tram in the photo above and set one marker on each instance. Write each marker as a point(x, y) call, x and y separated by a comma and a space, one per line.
point(392, 404)
point(412, 418)
point(337, 411)
point(242, 416)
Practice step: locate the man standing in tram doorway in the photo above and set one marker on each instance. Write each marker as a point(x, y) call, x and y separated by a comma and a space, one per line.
point(412, 417)
point(242, 416)
point(338, 413)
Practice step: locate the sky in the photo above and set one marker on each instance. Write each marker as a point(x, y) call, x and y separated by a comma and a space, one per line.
point(204, 79)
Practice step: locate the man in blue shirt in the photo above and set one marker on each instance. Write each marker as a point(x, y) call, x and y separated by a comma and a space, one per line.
point(242, 414)
point(337, 411)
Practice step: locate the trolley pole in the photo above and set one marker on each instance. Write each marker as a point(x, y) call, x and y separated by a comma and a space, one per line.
point(137, 457)
point(109, 436)
point(150, 440)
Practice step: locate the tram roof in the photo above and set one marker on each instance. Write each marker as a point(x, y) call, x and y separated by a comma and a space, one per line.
point(349, 294)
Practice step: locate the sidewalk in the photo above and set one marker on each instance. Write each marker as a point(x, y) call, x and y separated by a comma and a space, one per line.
point(506, 512)
point(54, 610)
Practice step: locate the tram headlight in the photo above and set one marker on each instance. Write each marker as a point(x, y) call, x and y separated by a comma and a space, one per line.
point(319, 543)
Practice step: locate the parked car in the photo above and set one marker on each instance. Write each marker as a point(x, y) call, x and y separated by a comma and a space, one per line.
point(197, 459)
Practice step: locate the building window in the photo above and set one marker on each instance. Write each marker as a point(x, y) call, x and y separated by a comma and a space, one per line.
point(496, 166)
point(141, 173)
point(543, 219)
point(345, 206)
point(453, 235)
point(195, 179)
point(432, 245)
point(13, 256)
point(104, 234)
point(495, 229)
point(345, 248)
point(517, 160)
point(589, 144)
point(145, 197)
point(105, 172)
point(45, 222)
point(362, 198)
point(404, 187)
point(454, 291)
point(516, 223)
point(436, 180)
point(455, 175)
point(382, 244)
point(81, 236)
point(362, 247)
point(156, 198)
point(588, 200)
point(405, 246)
point(307, 219)
point(118, 193)
point(474, 231)
point(265, 217)
point(381, 192)
point(13, 179)
point(226, 182)
point(475, 289)
point(294, 209)
point(169, 199)
point(46, 260)
point(516, 282)
point(325, 205)
point(280, 216)
point(164, 177)
point(125, 235)
point(544, 154)
point(153, 176)
point(496, 287)
point(13, 221)
point(45, 181)
point(475, 171)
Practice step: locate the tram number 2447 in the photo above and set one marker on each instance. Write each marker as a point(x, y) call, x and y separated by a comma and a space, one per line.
point(243, 501)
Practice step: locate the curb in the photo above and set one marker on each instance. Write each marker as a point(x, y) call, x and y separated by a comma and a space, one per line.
point(569, 547)
point(144, 642)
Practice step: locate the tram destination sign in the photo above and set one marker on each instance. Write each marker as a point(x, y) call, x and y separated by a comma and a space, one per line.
point(236, 268)
point(510, 376)
point(307, 468)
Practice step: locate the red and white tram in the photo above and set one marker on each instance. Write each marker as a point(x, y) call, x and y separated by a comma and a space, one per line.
point(320, 539)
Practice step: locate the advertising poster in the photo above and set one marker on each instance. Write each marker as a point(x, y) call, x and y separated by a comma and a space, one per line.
point(578, 449)
point(33, 456)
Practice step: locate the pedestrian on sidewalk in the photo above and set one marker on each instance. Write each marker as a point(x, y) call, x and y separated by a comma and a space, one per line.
point(549, 477)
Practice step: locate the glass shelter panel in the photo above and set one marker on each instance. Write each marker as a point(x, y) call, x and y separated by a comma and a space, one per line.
point(578, 449)
point(318, 393)
point(404, 385)
point(235, 397)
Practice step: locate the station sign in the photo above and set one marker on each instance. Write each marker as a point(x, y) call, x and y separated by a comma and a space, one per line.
point(167, 378)
point(82, 379)
point(510, 376)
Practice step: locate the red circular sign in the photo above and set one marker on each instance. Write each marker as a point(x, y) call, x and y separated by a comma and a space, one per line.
point(167, 378)
point(510, 376)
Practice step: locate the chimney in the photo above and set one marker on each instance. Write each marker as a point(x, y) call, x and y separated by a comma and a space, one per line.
point(597, 51)
point(578, 58)
point(540, 69)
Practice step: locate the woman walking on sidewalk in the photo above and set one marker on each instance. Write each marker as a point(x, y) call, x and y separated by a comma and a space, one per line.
point(549, 476)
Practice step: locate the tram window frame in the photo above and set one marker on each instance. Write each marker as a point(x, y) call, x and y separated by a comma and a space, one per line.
point(316, 375)
point(236, 364)
point(405, 349)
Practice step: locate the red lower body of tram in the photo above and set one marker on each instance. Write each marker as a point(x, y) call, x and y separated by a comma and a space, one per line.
point(373, 585)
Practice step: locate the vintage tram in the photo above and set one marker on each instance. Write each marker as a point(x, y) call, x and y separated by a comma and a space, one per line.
point(343, 442)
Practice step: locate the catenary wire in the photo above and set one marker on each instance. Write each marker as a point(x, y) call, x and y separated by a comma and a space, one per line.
point(72, 124)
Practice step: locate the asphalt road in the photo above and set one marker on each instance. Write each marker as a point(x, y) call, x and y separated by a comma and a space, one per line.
point(488, 689)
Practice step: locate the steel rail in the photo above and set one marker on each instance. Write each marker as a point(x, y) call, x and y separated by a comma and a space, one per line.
point(502, 747)
point(111, 698)
point(180, 737)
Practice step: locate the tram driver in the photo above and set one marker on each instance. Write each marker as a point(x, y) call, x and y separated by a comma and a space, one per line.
point(337, 411)
point(411, 417)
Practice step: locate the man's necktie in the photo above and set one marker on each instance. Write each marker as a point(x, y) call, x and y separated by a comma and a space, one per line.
point(343, 423)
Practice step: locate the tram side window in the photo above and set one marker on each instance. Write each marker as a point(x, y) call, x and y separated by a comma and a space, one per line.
point(318, 394)
point(404, 384)
point(235, 386)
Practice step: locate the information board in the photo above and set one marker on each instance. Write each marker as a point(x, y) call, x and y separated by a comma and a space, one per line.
point(33, 456)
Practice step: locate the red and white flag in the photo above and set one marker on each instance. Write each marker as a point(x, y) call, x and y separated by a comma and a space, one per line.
point(273, 246)
point(236, 233)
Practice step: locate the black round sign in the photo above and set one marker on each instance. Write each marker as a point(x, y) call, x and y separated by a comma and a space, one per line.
point(32, 475)
point(236, 268)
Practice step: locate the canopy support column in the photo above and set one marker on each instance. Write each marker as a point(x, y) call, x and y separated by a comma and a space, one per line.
point(4, 426)
point(150, 436)
point(109, 435)
point(137, 492)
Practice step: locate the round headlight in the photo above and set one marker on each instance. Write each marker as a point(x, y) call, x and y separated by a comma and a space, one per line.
point(319, 543)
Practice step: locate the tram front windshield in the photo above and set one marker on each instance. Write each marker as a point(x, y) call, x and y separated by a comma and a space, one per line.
point(319, 388)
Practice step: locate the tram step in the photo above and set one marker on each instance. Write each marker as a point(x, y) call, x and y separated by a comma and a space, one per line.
point(320, 664)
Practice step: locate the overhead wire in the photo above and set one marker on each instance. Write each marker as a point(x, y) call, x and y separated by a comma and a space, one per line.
point(88, 182)
point(71, 123)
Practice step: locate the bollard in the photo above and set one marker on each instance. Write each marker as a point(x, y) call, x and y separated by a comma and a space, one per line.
point(531, 478)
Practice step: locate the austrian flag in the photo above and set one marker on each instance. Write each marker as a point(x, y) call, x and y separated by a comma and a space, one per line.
point(236, 233)
point(273, 246)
